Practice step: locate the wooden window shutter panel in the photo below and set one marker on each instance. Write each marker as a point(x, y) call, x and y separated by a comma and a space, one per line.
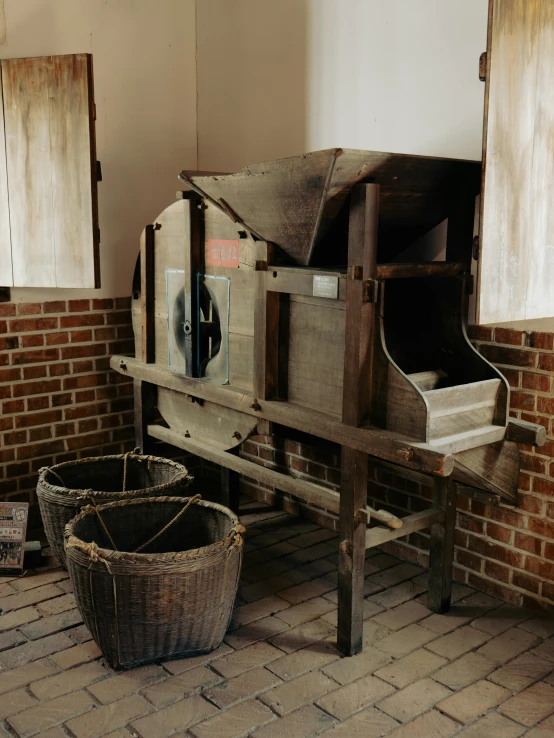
point(51, 170)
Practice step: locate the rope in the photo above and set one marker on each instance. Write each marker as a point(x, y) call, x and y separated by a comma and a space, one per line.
point(129, 453)
point(181, 512)
point(95, 508)
point(51, 471)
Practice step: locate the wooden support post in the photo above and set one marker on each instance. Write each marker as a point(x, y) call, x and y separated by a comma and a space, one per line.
point(230, 486)
point(362, 257)
point(145, 402)
point(193, 265)
point(459, 232)
point(147, 294)
point(441, 551)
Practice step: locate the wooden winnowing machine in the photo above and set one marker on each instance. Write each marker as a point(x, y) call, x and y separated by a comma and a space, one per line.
point(243, 319)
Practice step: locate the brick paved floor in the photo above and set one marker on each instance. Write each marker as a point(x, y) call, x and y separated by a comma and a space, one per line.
point(483, 670)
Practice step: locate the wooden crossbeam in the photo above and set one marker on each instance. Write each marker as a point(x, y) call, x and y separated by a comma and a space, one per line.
point(410, 524)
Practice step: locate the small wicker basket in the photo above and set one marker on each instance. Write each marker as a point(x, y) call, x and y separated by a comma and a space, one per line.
point(176, 598)
point(62, 490)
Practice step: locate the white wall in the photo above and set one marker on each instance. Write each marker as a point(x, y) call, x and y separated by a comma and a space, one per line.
point(281, 78)
point(145, 90)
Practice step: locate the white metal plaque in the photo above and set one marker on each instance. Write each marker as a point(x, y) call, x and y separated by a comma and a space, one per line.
point(326, 286)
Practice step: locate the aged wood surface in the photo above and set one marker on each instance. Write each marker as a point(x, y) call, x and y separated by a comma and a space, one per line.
point(441, 548)
point(410, 524)
point(521, 431)
point(51, 165)
point(494, 467)
point(372, 441)
point(266, 196)
point(6, 275)
point(516, 264)
point(204, 421)
point(414, 271)
point(147, 295)
point(357, 364)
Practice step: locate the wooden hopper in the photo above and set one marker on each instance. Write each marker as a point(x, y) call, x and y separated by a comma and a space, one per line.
point(295, 202)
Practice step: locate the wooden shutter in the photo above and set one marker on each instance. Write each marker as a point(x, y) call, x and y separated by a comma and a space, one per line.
point(51, 170)
point(516, 262)
point(6, 277)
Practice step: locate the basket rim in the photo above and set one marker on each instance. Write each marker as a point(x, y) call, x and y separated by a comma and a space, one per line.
point(181, 475)
point(107, 555)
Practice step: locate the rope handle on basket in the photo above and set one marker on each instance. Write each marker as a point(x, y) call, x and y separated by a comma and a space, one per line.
point(51, 471)
point(88, 495)
point(174, 520)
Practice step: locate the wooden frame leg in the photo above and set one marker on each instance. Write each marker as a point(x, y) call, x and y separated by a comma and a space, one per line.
point(230, 487)
point(441, 551)
point(144, 395)
point(353, 496)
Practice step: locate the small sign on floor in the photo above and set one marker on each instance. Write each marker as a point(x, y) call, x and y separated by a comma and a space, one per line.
point(13, 530)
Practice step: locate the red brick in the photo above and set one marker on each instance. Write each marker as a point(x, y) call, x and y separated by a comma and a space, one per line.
point(508, 335)
point(84, 396)
point(105, 334)
point(5, 392)
point(523, 581)
point(123, 303)
point(64, 429)
point(84, 380)
point(524, 483)
point(540, 567)
point(299, 465)
point(35, 372)
point(7, 308)
point(76, 321)
point(29, 308)
point(522, 401)
point(24, 325)
point(539, 382)
point(9, 343)
point(27, 421)
point(15, 438)
point(77, 306)
point(10, 375)
point(513, 376)
point(34, 357)
point(118, 318)
point(37, 403)
point(59, 400)
point(545, 405)
point(482, 333)
point(78, 352)
point(13, 406)
point(546, 362)
point(82, 367)
point(530, 504)
point(510, 356)
point(468, 559)
point(532, 463)
point(541, 341)
point(541, 527)
point(54, 339)
point(58, 370)
point(32, 340)
point(497, 571)
point(40, 449)
point(57, 306)
point(6, 424)
point(77, 442)
point(494, 551)
point(80, 336)
point(86, 426)
point(36, 388)
point(102, 304)
point(7, 454)
point(543, 486)
point(40, 434)
point(548, 551)
point(498, 532)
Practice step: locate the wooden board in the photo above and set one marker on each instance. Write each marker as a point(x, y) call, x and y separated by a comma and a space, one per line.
point(6, 275)
point(294, 202)
point(204, 422)
point(316, 354)
point(516, 263)
point(51, 164)
point(494, 468)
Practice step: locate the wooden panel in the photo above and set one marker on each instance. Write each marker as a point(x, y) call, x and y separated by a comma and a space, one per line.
point(494, 468)
point(516, 264)
point(316, 355)
point(51, 171)
point(6, 276)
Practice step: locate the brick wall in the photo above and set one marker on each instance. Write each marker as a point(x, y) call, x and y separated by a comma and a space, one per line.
point(505, 551)
point(59, 399)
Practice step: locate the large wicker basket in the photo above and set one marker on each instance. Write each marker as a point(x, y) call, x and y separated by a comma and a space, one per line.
point(176, 597)
point(62, 490)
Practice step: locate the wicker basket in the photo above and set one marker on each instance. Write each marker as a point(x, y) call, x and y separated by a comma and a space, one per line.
point(62, 490)
point(176, 597)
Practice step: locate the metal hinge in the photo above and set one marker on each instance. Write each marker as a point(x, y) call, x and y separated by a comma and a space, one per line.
point(371, 290)
point(483, 67)
point(476, 248)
